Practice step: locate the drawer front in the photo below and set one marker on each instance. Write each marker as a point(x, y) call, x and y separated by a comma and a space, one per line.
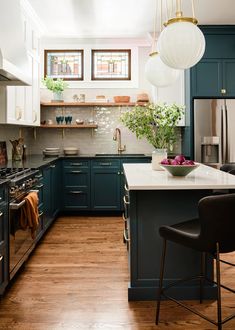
point(3, 224)
point(75, 198)
point(78, 163)
point(106, 163)
point(3, 270)
point(76, 177)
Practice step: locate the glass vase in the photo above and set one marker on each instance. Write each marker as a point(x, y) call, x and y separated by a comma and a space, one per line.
point(157, 156)
point(58, 97)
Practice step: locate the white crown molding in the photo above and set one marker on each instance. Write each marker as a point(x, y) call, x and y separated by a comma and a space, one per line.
point(26, 6)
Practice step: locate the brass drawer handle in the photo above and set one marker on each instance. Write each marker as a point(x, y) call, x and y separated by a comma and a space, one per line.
point(125, 187)
point(1, 213)
point(223, 91)
point(125, 201)
point(76, 192)
point(125, 237)
point(76, 172)
point(1, 258)
point(76, 164)
point(105, 164)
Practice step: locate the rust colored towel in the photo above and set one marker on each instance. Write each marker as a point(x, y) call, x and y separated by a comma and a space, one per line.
point(29, 213)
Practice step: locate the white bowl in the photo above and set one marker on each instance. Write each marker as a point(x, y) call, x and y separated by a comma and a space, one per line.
point(51, 153)
point(52, 149)
point(70, 151)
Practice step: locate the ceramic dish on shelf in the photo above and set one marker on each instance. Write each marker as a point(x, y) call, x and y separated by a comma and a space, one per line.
point(52, 149)
point(50, 153)
point(70, 151)
point(79, 121)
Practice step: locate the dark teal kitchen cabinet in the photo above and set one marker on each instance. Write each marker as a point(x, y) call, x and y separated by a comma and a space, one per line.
point(52, 178)
point(105, 184)
point(4, 239)
point(39, 187)
point(76, 183)
point(213, 78)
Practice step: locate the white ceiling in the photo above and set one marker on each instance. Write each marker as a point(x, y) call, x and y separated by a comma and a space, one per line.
point(119, 18)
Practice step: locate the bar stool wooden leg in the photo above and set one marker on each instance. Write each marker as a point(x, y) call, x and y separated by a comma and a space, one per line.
point(162, 266)
point(219, 316)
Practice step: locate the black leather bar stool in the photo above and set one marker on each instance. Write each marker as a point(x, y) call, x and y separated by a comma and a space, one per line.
point(212, 233)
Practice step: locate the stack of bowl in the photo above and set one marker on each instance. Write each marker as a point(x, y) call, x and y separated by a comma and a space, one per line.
point(70, 151)
point(50, 152)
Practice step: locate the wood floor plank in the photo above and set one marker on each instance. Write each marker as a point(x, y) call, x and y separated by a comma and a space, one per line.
point(77, 278)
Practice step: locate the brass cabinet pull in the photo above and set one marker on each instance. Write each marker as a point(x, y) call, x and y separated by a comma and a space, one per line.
point(223, 91)
point(105, 164)
point(76, 164)
point(125, 201)
point(123, 217)
point(1, 257)
point(76, 192)
point(1, 213)
point(125, 187)
point(125, 237)
point(76, 172)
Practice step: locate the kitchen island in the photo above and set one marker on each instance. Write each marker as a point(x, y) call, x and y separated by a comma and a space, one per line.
point(154, 198)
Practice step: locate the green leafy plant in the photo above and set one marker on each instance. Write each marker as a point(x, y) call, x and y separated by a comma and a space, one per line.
point(155, 122)
point(55, 86)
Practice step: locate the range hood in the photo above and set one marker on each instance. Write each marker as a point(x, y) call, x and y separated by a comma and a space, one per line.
point(14, 63)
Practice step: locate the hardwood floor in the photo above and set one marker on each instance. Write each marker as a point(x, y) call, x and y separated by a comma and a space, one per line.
point(77, 279)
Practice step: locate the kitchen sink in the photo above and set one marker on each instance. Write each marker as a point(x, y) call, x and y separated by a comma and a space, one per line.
point(119, 155)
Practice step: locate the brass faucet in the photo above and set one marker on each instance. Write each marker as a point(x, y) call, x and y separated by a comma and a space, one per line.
point(117, 137)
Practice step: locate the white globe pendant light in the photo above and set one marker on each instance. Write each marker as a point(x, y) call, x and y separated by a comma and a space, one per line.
point(159, 74)
point(181, 44)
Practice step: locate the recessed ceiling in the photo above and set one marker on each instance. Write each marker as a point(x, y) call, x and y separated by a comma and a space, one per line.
point(119, 18)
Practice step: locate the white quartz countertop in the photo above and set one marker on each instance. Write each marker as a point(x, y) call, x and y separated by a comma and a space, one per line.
point(142, 177)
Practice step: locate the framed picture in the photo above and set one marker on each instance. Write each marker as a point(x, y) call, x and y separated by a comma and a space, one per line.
point(65, 64)
point(111, 64)
point(3, 152)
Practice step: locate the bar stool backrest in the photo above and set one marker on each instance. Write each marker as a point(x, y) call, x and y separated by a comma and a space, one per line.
point(217, 220)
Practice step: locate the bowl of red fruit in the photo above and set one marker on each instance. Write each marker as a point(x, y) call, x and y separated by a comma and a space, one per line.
point(179, 166)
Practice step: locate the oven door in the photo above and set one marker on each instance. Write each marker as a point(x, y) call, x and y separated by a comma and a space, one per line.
point(21, 242)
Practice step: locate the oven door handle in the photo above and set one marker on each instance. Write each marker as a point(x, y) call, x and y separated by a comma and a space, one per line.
point(15, 206)
point(34, 190)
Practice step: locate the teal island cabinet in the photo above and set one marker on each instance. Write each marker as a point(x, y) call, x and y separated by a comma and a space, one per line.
point(4, 234)
point(154, 198)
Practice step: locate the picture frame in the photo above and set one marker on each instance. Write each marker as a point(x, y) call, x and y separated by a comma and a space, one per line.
point(66, 64)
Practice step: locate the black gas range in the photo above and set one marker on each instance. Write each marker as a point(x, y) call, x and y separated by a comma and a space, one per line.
point(20, 180)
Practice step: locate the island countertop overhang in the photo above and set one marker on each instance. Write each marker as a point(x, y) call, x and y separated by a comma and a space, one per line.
point(142, 177)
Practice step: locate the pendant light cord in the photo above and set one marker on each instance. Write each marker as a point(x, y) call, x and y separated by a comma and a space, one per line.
point(154, 28)
point(193, 8)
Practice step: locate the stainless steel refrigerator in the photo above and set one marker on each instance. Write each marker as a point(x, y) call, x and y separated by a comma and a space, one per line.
point(214, 131)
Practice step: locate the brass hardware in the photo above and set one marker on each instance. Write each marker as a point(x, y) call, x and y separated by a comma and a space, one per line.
point(1, 213)
point(125, 201)
point(223, 91)
point(117, 137)
point(181, 19)
point(123, 217)
point(153, 53)
point(76, 192)
point(76, 164)
point(76, 172)
point(105, 164)
point(1, 258)
point(125, 237)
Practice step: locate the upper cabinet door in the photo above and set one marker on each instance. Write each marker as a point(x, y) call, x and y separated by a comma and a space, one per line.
point(206, 78)
point(228, 77)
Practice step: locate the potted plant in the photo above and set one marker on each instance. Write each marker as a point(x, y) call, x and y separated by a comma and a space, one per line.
point(56, 86)
point(157, 123)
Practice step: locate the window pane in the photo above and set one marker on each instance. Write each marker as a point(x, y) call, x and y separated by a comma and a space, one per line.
point(111, 64)
point(64, 64)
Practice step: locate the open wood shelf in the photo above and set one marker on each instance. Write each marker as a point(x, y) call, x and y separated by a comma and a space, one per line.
point(70, 126)
point(85, 104)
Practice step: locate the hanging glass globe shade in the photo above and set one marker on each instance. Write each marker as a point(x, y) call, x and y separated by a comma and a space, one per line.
point(181, 44)
point(159, 74)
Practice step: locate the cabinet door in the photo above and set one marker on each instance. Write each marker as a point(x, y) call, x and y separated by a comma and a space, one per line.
point(207, 78)
point(105, 184)
point(47, 197)
point(56, 179)
point(228, 77)
point(36, 93)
